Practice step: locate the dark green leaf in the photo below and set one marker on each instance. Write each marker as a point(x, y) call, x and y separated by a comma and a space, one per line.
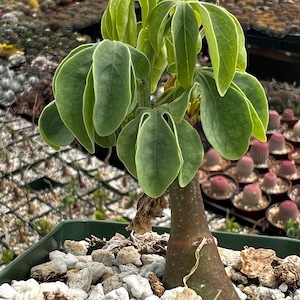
point(105, 141)
point(140, 63)
point(226, 121)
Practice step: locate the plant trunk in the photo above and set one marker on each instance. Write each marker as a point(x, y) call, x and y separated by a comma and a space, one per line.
point(188, 228)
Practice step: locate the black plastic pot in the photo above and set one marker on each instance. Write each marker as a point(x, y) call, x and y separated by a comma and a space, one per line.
point(79, 230)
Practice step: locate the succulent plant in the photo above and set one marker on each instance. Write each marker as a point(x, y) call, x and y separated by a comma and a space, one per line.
point(219, 185)
point(269, 180)
point(287, 168)
point(288, 210)
point(259, 151)
point(251, 194)
point(274, 120)
point(212, 158)
point(288, 114)
point(296, 129)
point(276, 142)
point(244, 166)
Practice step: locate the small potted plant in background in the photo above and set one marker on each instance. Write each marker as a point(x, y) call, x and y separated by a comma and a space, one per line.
point(103, 95)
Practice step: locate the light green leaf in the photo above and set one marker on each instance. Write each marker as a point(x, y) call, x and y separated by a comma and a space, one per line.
point(160, 64)
point(242, 52)
point(179, 105)
point(52, 129)
point(88, 106)
point(226, 120)
point(72, 53)
point(126, 144)
point(146, 8)
point(112, 85)
point(255, 92)
point(140, 63)
point(108, 28)
point(158, 20)
point(188, 139)
point(132, 27)
point(157, 155)
point(223, 43)
point(122, 13)
point(70, 85)
point(184, 28)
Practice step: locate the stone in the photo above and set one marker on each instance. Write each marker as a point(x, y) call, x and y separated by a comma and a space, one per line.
point(49, 269)
point(230, 258)
point(98, 270)
point(7, 292)
point(82, 280)
point(104, 256)
point(96, 292)
point(139, 286)
point(27, 290)
point(180, 293)
point(75, 247)
point(69, 259)
point(120, 293)
point(77, 294)
point(112, 283)
point(129, 255)
point(157, 267)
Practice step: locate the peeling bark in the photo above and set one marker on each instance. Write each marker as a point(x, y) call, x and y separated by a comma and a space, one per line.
point(188, 228)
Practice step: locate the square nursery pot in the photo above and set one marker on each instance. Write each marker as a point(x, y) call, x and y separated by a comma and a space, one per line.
point(19, 268)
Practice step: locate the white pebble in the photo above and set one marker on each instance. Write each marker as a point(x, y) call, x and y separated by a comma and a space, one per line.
point(81, 280)
point(27, 290)
point(7, 292)
point(129, 255)
point(138, 285)
point(77, 294)
point(96, 292)
point(69, 259)
point(120, 293)
point(54, 287)
point(104, 256)
point(283, 287)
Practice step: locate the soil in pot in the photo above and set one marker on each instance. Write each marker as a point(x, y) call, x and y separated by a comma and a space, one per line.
point(287, 169)
point(294, 194)
point(293, 135)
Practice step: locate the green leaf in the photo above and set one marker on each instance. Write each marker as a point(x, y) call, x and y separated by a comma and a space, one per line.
point(122, 13)
point(112, 85)
point(255, 92)
point(242, 52)
point(108, 30)
point(88, 106)
point(140, 63)
point(188, 139)
point(223, 43)
point(179, 105)
point(184, 28)
point(146, 8)
point(157, 154)
point(72, 53)
point(126, 144)
point(158, 20)
point(105, 141)
point(132, 26)
point(69, 89)
point(160, 64)
point(52, 129)
point(226, 120)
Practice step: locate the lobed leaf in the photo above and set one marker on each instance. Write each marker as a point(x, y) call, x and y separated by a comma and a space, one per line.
point(157, 155)
point(112, 85)
point(52, 129)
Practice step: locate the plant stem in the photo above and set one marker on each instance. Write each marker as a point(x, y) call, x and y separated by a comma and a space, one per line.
point(188, 228)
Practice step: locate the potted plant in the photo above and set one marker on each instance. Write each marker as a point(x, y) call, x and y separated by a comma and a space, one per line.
point(103, 95)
